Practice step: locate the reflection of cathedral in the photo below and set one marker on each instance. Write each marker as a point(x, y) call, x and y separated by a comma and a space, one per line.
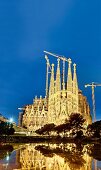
point(47, 156)
point(63, 99)
point(66, 157)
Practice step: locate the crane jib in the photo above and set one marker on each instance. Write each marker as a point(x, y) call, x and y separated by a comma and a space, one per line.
point(57, 56)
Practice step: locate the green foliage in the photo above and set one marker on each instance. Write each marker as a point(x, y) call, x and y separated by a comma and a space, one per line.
point(6, 128)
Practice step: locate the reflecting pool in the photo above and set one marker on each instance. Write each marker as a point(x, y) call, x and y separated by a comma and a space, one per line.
point(47, 156)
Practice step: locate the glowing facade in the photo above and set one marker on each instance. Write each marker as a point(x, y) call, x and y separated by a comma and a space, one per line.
point(35, 115)
point(62, 100)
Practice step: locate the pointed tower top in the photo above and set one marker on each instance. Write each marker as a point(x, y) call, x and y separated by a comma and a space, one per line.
point(69, 61)
point(58, 79)
point(74, 66)
point(69, 76)
point(75, 83)
point(52, 65)
point(35, 97)
point(40, 97)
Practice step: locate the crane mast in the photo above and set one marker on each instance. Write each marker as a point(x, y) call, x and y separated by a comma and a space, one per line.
point(47, 73)
point(93, 100)
point(64, 59)
point(93, 85)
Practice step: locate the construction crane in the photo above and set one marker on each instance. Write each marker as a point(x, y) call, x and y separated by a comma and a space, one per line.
point(93, 85)
point(64, 59)
point(47, 73)
point(21, 108)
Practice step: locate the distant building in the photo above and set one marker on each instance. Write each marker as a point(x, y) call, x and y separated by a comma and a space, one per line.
point(62, 101)
point(3, 119)
point(20, 119)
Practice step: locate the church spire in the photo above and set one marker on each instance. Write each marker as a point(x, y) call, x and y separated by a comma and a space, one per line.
point(58, 81)
point(51, 90)
point(69, 78)
point(75, 90)
point(75, 83)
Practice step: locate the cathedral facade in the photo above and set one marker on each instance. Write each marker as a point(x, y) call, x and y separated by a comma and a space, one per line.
point(63, 99)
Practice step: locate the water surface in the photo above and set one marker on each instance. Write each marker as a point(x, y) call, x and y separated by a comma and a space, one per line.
point(46, 156)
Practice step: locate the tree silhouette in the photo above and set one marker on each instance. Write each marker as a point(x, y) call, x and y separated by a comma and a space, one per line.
point(65, 127)
point(72, 155)
point(4, 150)
point(73, 125)
point(94, 130)
point(94, 150)
point(6, 128)
point(46, 129)
point(76, 122)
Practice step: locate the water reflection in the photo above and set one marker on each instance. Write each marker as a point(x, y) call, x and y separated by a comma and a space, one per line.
point(68, 156)
point(57, 157)
point(5, 151)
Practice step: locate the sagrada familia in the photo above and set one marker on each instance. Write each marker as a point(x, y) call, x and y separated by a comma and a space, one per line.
point(62, 100)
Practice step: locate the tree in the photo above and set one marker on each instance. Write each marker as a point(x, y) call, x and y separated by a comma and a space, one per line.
point(76, 122)
point(4, 149)
point(94, 150)
point(6, 128)
point(94, 130)
point(74, 125)
point(62, 128)
point(46, 129)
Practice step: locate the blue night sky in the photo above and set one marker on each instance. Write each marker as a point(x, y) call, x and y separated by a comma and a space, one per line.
point(27, 28)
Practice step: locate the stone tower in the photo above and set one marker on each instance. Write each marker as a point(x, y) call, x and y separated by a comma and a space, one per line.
point(51, 102)
point(75, 91)
point(69, 88)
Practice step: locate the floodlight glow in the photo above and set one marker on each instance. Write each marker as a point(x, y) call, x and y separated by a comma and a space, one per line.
point(7, 158)
point(11, 120)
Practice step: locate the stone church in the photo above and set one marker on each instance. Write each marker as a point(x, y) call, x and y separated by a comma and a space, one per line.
point(63, 99)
